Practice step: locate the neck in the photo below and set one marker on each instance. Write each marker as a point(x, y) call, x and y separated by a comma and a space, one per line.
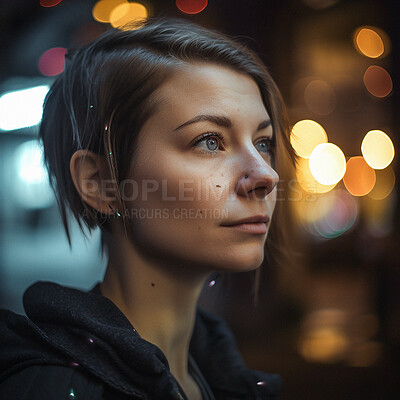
point(158, 297)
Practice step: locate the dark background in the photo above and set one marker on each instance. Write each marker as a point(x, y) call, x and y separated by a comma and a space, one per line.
point(329, 320)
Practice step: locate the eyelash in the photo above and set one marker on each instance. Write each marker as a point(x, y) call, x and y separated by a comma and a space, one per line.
point(207, 135)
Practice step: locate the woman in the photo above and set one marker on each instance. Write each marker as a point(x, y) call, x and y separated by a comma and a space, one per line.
point(166, 137)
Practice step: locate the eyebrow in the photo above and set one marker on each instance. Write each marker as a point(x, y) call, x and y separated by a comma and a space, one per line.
point(219, 120)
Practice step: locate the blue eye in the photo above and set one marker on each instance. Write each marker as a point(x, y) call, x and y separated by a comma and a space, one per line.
point(212, 141)
point(267, 145)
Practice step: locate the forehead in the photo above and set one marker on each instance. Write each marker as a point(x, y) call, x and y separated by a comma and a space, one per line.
point(204, 87)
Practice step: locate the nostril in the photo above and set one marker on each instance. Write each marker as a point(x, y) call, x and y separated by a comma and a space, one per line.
point(259, 192)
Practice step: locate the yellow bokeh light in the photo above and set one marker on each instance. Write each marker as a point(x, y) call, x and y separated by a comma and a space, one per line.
point(377, 149)
point(359, 178)
point(127, 12)
point(102, 9)
point(327, 163)
point(305, 135)
point(368, 42)
point(306, 179)
point(385, 180)
point(324, 344)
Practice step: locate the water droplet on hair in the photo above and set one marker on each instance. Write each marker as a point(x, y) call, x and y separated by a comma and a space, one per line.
point(212, 283)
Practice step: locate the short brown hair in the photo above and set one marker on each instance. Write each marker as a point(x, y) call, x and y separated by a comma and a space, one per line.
point(109, 82)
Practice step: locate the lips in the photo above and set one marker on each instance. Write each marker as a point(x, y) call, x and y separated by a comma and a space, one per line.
point(249, 220)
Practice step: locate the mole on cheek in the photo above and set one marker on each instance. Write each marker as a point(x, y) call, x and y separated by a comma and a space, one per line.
point(152, 284)
point(218, 186)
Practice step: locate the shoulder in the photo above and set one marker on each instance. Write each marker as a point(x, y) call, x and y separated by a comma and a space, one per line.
point(48, 382)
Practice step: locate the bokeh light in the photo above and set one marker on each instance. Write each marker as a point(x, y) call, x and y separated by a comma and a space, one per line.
point(102, 9)
point(379, 214)
point(32, 189)
point(359, 178)
point(323, 338)
point(324, 345)
point(365, 354)
point(52, 61)
point(306, 179)
point(372, 42)
point(191, 6)
point(127, 12)
point(378, 81)
point(22, 108)
point(377, 149)
point(327, 163)
point(385, 180)
point(320, 97)
point(338, 212)
point(368, 42)
point(305, 135)
point(49, 3)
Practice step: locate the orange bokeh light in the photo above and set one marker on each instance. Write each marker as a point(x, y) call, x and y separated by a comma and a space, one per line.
point(102, 9)
point(369, 43)
point(359, 178)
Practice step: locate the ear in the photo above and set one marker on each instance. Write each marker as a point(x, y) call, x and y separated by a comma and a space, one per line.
point(92, 180)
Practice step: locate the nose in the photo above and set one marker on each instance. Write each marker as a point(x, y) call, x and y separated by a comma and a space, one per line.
point(261, 177)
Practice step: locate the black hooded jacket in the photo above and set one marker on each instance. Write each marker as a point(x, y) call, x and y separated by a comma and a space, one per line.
point(79, 345)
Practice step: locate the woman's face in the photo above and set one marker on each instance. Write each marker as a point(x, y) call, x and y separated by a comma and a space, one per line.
point(183, 188)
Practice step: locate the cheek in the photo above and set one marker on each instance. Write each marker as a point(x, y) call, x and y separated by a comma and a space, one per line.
point(175, 181)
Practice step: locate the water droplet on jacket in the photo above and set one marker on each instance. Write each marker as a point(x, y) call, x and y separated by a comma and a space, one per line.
point(74, 364)
point(261, 383)
point(71, 394)
point(90, 340)
point(212, 283)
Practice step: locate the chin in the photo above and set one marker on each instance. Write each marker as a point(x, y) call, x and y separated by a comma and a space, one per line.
point(246, 261)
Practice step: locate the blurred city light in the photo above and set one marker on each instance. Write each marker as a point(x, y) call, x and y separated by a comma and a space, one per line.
point(49, 3)
point(385, 180)
point(191, 6)
point(379, 214)
point(377, 149)
point(127, 12)
point(371, 42)
point(22, 108)
point(306, 179)
point(368, 42)
point(323, 338)
point(378, 81)
point(327, 163)
point(52, 61)
point(338, 212)
point(359, 178)
point(102, 9)
point(305, 135)
point(32, 189)
point(320, 97)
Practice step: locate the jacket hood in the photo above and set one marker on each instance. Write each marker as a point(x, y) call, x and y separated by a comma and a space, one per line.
point(66, 326)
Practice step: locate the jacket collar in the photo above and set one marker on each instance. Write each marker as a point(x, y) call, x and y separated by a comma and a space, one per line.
point(89, 330)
